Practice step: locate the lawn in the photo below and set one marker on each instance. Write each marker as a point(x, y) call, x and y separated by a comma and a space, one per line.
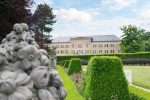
point(139, 92)
point(72, 93)
point(140, 75)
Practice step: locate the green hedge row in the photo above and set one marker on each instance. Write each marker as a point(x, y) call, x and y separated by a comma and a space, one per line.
point(75, 66)
point(105, 79)
point(145, 55)
point(66, 64)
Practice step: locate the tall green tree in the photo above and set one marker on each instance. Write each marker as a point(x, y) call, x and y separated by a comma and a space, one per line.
point(132, 39)
point(43, 19)
point(146, 40)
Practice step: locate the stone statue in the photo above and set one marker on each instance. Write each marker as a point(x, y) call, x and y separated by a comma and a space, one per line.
point(26, 72)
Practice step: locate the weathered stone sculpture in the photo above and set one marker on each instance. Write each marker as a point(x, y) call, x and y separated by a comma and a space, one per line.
point(26, 72)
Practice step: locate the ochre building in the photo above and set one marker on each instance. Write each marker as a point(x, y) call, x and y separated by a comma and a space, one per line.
point(97, 44)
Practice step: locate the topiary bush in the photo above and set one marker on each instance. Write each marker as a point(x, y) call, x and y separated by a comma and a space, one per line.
point(140, 55)
point(105, 79)
point(75, 66)
point(62, 62)
point(66, 64)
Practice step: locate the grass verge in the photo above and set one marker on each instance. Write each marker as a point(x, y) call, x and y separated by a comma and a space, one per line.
point(139, 92)
point(140, 75)
point(72, 93)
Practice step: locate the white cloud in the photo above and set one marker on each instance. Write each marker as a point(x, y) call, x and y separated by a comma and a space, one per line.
point(98, 27)
point(73, 14)
point(48, 2)
point(117, 4)
point(144, 13)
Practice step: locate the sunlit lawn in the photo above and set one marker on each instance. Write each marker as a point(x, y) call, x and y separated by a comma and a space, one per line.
point(72, 93)
point(139, 92)
point(140, 75)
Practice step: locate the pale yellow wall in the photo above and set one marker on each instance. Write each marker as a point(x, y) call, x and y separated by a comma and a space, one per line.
point(87, 47)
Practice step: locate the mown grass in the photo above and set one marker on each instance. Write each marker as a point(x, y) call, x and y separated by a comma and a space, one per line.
point(140, 75)
point(72, 93)
point(139, 92)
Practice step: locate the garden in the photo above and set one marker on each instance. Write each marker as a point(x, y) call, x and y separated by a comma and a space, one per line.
point(103, 78)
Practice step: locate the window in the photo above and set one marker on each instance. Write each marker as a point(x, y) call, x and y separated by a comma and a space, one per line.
point(72, 51)
point(111, 51)
point(66, 51)
point(106, 51)
point(106, 45)
point(61, 51)
point(110, 45)
point(79, 45)
point(72, 45)
point(94, 45)
point(100, 51)
point(66, 46)
point(99, 45)
point(62, 46)
point(113, 45)
point(94, 51)
point(86, 51)
point(87, 45)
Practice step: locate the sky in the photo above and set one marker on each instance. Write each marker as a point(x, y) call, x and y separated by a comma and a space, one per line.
point(97, 17)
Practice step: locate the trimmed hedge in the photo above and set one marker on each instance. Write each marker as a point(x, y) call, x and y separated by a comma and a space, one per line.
point(142, 55)
point(136, 61)
point(62, 63)
point(66, 63)
point(105, 79)
point(75, 66)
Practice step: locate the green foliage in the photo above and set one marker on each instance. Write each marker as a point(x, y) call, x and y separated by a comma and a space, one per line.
point(42, 20)
point(62, 62)
point(140, 93)
point(106, 80)
point(135, 97)
point(75, 66)
point(132, 39)
point(72, 93)
point(120, 55)
point(66, 63)
point(147, 45)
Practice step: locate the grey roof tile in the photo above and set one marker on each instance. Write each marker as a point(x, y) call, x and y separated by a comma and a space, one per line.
point(95, 38)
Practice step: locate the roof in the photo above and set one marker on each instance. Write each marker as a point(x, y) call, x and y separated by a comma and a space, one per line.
point(95, 38)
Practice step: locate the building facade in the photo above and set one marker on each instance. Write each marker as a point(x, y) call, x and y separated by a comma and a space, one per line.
point(98, 44)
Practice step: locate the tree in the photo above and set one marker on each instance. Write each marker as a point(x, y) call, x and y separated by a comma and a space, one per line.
point(146, 39)
point(13, 11)
point(42, 20)
point(132, 39)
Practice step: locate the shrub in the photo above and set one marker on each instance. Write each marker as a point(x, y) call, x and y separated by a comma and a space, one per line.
point(75, 66)
point(62, 62)
point(66, 64)
point(135, 97)
point(141, 55)
point(136, 61)
point(105, 79)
